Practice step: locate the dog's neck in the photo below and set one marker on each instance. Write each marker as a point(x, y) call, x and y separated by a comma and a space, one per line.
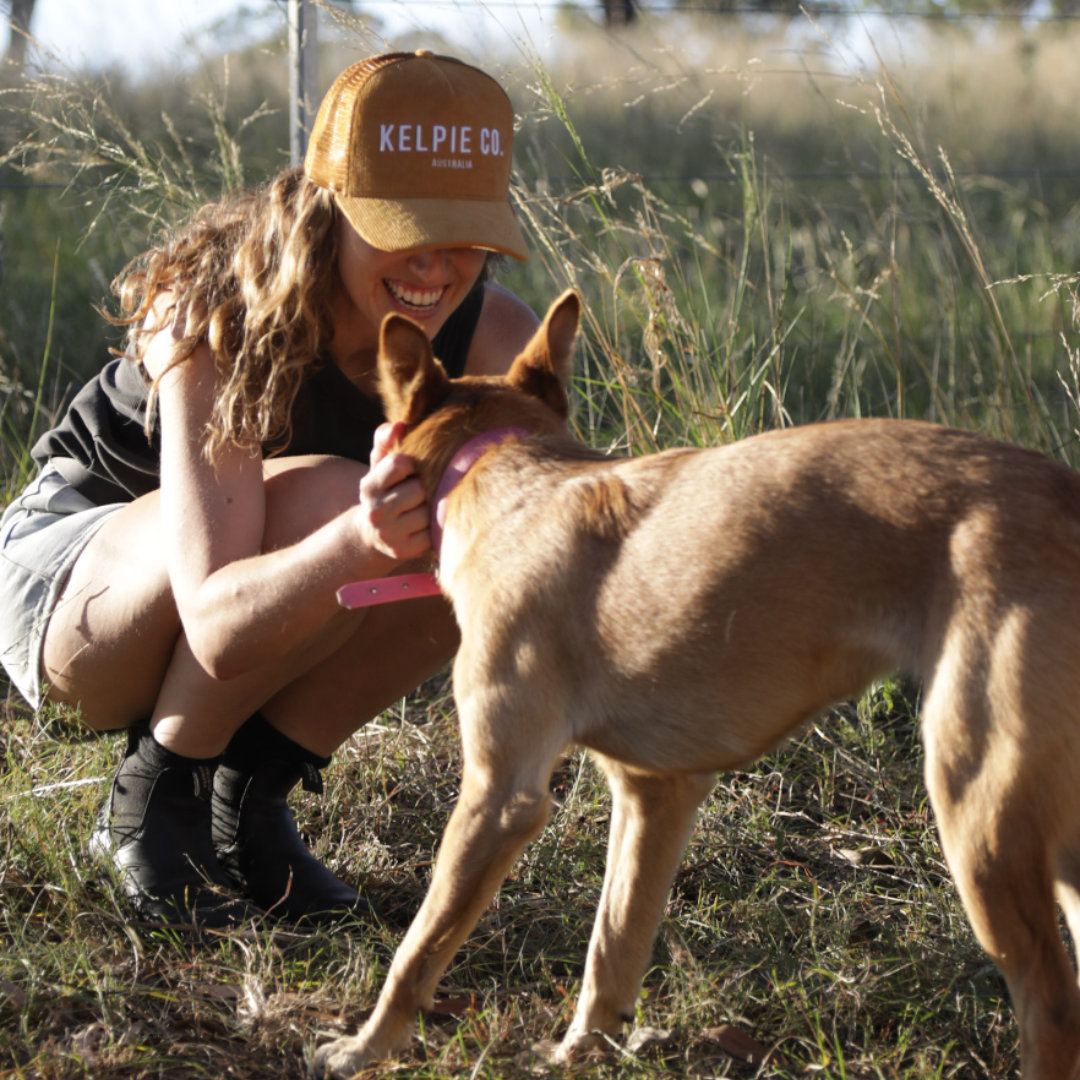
point(406, 586)
point(455, 472)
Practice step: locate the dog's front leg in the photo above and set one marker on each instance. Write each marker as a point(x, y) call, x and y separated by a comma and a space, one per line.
point(652, 816)
point(491, 824)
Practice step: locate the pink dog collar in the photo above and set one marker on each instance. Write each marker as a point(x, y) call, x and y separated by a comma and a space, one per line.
point(459, 465)
point(386, 590)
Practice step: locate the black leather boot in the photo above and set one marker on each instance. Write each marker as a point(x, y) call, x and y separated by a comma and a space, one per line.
point(155, 830)
point(256, 839)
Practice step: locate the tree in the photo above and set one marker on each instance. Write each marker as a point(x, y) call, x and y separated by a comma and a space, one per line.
point(944, 9)
point(22, 11)
point(618, 12)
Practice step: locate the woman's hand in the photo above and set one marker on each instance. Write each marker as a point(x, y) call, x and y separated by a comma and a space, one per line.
point(394, 518)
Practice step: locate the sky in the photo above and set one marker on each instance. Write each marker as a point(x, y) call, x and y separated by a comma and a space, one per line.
point(143, 35)
point(138, 34)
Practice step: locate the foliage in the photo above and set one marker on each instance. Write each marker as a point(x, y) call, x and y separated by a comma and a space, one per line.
point(758, 301)
point(942, 9)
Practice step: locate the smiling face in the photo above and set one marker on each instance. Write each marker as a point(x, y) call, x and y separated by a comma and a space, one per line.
point(424, 285)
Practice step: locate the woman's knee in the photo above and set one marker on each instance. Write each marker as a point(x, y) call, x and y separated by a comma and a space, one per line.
point(304, 493)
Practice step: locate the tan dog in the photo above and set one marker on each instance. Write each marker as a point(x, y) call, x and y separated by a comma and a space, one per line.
point(680, 614)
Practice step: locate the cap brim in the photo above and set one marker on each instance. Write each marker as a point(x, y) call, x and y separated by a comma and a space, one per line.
point(410, 224)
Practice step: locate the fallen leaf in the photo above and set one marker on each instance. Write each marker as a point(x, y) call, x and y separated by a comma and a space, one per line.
point(676, 945)
point(866, 856)
point(87, 1041)
point(644, 1037)
point(863, 929)
point(455, 1006)
point(735, 1043)
point(215, 991)
point(12, 994)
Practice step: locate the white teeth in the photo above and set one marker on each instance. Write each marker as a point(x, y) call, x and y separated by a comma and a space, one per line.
point(417, 298)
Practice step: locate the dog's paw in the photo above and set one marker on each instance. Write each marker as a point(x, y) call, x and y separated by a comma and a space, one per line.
point(577, 1045)
point(341, 1059)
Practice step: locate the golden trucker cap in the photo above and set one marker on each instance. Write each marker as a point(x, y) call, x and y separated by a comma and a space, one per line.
point(416, 149)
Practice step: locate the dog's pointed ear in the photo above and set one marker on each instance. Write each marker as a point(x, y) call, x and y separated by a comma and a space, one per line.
point(412, 383)
point(543, 369)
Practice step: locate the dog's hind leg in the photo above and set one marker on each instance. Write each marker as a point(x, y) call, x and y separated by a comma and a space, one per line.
point(652, 816)
point(989, 799)
point(1009, 898)
point(1068, 887)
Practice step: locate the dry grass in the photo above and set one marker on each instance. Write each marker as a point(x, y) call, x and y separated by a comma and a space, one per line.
point(813, 913)
point(660, 98)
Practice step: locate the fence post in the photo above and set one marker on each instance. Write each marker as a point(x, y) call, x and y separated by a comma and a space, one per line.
point(303, 75)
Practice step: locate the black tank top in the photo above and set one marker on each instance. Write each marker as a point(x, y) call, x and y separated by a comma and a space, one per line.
point(101, 448)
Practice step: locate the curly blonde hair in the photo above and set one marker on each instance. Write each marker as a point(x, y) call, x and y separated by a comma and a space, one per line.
point(253, 275)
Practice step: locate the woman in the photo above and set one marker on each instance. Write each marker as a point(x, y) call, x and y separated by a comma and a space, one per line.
point(175, 562)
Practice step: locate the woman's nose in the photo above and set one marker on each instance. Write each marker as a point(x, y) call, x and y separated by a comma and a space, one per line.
point(429, 265)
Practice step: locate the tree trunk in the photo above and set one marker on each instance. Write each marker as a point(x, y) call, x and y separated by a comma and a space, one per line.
point(618, 12)
point(22, 11)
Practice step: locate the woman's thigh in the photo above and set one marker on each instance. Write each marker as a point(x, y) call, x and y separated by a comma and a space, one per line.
point(111, 635)
point(42, 533)
point(113, 632)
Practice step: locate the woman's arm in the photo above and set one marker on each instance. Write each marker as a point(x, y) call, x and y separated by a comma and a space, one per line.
point(241, 606)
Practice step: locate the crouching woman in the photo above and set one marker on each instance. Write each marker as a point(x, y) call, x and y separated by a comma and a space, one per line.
point(172, 568)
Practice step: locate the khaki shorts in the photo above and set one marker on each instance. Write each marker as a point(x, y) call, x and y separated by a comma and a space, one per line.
point(42, 533)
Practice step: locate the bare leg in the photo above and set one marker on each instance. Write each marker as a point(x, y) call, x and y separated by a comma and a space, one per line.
point(652, 817)
point(390, 653)
point(114, 645)
point(1068, 886)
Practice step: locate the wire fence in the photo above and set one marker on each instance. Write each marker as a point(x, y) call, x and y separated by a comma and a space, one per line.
point(301, 13)
point(556, 185)
point(777, 10)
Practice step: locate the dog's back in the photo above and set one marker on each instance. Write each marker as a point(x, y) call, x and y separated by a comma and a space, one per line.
point(758, 582)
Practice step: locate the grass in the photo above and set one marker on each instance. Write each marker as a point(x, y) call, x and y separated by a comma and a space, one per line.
point(755, 300)
point(813, 913)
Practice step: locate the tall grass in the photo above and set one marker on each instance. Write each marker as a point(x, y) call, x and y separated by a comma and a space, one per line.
point(725, 294)
point(749, 300)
